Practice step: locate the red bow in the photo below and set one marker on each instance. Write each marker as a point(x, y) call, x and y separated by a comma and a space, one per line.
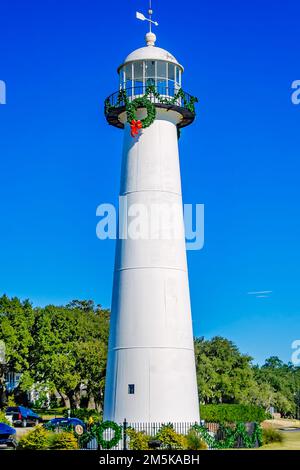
point(135, 127)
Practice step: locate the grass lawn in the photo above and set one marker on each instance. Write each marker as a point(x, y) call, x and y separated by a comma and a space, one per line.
point(281, 423)
point(291, 442)
point(47, 417)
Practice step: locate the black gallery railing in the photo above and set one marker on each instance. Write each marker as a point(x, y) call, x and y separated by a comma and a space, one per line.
point(158, 94)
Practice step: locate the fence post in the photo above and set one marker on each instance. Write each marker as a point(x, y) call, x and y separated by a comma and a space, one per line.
point(124, 434)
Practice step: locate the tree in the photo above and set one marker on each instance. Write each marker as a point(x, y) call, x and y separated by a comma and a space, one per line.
point(224, 374)
point(284, 380)
point(84, 305)
point(60, 348)
point(70, 350)
point(16, 331)
point(64, 349)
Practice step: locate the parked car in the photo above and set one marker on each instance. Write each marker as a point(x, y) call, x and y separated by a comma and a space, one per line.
point(7, 438)
point(76, 424)
point(19, 415)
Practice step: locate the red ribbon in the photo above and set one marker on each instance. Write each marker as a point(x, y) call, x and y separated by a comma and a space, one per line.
point(135, 127)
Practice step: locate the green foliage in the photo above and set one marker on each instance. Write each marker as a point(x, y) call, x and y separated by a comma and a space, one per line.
point(84, 414)
point(284, 381)
point(58, 347)
point(236, 436)
point(62, 348)
point(138, 440)
point(170, 439)
point(194, 441)
point(64, 440)
point(11, 401)
point(188, 104)
point(227, 413)
point(142, 102)
point(16, 328)
point(37, 439)
point(41, 439)
point(271, 435)
point(58, 412)
point(224, 374)
point(3, 418)
point(98, 431)
point(145, 102)
point(27, 380)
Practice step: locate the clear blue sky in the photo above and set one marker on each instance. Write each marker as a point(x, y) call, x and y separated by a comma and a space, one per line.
point(241, 158)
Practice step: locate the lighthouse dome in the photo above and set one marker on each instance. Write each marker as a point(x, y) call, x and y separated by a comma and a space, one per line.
point(150, 52)
point(150, 65)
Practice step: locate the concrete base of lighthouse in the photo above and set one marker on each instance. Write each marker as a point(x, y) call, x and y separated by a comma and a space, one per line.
point(162, 386)
point(151, 373)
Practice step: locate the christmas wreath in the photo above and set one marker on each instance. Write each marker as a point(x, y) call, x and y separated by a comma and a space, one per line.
point(136, 124)
point(99, 431)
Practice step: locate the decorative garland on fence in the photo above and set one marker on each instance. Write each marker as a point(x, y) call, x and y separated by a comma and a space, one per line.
point(97, 431)
point(144, 102)
point(100, 428)
point(190, 105)
point(231, 436)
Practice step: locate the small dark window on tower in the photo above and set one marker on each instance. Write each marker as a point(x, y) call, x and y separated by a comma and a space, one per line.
point(131, 389)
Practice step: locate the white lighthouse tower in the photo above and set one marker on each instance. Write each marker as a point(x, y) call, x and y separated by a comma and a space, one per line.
point(151, 374)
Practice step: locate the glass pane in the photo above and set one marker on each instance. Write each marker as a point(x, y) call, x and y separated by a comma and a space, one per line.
point(150, 81)
point(128, 76)
point(138, 74)
point(138, 87)
point(128, 72)
point(161, 86)
point(150, 68)
point(171, 71)
point(138, 71)
point(161, 69)
point(122, 77)
point(171, 87)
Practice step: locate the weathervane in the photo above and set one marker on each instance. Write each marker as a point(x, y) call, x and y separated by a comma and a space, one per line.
point(142, 17)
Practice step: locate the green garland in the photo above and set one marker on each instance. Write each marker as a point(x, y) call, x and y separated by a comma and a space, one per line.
point(190, 105)
point(142, 102)
point(231, 436)
point(145, 102)
point(97, 431)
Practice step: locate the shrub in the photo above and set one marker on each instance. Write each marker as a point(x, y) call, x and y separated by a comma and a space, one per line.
point(37, 439)
point(63, 441)
point(170, 439)
point(3, 418)
point(226, 413)
point(138, 440)
point(11, 401)
point(194, 441)
point(272, 435)
point(42, 439)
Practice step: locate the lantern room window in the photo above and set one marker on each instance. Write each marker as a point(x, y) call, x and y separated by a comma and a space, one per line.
point(136, 76)
point(128, 76)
